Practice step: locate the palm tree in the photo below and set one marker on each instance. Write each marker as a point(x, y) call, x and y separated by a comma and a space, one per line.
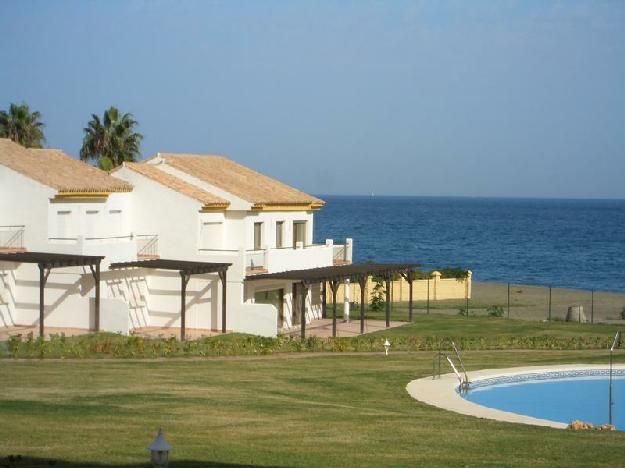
point(112, 140)
point(22, 126)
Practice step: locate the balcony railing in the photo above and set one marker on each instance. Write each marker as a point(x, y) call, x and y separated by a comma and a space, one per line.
point(342, 254)
point(256, 261)
point(147, 246)
point(12, 238)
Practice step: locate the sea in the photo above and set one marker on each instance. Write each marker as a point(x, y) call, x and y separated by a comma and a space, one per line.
point(548, 242)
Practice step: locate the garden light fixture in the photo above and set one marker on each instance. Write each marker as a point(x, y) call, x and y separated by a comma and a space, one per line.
point(387, 345)
point(159, 450)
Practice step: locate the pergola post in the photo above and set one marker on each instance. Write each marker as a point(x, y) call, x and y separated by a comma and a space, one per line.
point(95, 271)
point(388, 300)
point(324, 302)
point(362, 281)
point(303, 310)
point(184, 279)
point(42, 283)
point(222, 277)
point(334, 285)
point(410, 278)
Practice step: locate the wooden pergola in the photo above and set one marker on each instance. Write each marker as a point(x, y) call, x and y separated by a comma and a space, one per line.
point(186, 269)
point(334, 275)
point(47, 262)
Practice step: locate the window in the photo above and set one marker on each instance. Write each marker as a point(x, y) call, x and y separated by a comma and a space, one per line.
point(64, 224)
point(279, 234)
point(211, 235)
point(299, 233)
point(91, 223)
point(117, 228)
point(258, 236)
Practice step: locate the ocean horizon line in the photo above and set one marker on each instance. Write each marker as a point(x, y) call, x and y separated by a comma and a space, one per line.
point(470, 197)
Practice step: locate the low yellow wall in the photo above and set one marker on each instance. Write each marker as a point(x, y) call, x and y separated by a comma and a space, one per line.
point(440, 288)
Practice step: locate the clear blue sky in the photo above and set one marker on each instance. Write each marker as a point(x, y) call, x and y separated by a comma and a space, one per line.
point(477, 98)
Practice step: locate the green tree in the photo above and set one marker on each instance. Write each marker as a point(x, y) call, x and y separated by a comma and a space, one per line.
point(22, 126)
point(112, 140)
point(377, 295)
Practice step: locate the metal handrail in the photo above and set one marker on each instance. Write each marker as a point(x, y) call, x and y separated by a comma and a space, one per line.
point(436, 371)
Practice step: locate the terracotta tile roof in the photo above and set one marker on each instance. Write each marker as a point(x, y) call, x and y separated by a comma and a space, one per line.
point(239, 180)
point(154, 173)
point(58, 170)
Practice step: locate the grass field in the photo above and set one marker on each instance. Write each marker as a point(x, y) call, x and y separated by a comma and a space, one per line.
point(283, 410)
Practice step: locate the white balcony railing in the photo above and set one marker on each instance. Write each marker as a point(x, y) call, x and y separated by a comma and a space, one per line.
point(147, 246)
point(342, 254)
point(12, 238)
point(274, 260)
point(256, 261)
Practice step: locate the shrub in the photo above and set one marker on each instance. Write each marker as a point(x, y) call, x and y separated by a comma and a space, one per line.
point(377, 296)
point(495, 311)
point(462, 311)
point(623, 313)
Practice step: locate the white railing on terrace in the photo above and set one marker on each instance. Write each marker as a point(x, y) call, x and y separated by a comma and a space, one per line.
point(342, 254)
point(147, 246)
point(338, 253)
point(256, 259)
point(12, 237)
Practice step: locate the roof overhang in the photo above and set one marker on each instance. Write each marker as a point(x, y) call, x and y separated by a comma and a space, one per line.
point(286, 206)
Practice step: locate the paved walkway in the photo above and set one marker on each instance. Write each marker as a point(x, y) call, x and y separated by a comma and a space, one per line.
point(322, 328)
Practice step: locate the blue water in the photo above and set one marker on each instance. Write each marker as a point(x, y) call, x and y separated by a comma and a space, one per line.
point(566, 400)
point(564, 243)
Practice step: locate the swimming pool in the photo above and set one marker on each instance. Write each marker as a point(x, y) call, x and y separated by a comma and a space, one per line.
point(562, 396)
point(551, 396)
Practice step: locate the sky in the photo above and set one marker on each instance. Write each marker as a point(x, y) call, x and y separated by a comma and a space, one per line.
point(435, 98)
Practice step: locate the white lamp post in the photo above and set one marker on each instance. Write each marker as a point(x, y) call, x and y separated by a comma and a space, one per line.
point(387, 345)
point(160, 451)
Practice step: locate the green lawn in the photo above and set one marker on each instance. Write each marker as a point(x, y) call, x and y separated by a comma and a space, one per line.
point(457, 326)
point(283, 410)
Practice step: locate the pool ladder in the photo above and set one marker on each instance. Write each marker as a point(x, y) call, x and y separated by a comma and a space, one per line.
point(463, 378)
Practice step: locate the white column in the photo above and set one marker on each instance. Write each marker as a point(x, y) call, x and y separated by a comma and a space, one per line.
point(346, 301)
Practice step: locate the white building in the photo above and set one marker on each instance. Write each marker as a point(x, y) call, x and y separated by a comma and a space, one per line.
point(173, 206)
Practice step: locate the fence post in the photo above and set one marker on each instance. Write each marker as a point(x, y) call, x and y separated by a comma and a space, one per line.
point(508, 300)
point(592, 306)
point(549, 303)
point(427, 307)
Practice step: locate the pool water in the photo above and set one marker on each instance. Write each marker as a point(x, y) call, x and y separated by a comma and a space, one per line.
point(561, 399)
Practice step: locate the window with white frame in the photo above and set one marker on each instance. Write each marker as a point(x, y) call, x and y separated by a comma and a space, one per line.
point(91, 223)
point(211, 235)
point(258, 236)
point(279, 234)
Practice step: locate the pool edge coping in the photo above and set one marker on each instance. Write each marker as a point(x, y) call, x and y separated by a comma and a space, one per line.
point(442, 393)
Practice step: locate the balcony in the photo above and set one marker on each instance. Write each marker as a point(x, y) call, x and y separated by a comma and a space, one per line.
point(12, 238)
point(114, 248)
point(147, 246)
point(342, 254)
point(302, 257)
